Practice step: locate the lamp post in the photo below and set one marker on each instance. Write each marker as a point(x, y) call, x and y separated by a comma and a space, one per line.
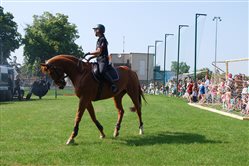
point(1, 52)
point(196, 17)
point(164, 63)
point(178, 53)
point(148, 58)
point(157, 41)
point(217, 19)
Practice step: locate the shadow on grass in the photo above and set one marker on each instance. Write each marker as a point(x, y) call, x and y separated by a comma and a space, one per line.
point(169, 138)
point(14, 101)
point(5, 102)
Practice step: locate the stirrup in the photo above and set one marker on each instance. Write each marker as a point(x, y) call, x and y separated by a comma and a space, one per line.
point(114, 88)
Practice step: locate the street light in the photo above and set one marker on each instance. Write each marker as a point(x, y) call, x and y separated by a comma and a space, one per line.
point(178, 53)
point(216, 35)
point(1, 52)
point(164, 64)
point(157, 41)
point(196, 17)
point(148, 58)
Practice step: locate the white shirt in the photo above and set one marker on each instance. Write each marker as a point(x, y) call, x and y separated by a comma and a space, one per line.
point(244, 91)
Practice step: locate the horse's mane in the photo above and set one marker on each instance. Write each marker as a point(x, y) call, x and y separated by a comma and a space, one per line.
point(79, 64)
point(63, 58)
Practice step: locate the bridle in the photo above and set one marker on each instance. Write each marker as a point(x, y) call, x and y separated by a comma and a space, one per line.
point(60, 78)
point(57, 73)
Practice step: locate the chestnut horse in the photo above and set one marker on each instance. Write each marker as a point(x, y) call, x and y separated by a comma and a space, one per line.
point(86, 89)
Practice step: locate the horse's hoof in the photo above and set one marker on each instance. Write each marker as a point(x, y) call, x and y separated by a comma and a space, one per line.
point(70, 141)
point(141, 131)
point(102, 136)
point(116, 133)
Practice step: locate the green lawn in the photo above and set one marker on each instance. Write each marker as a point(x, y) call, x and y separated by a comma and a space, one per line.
point(35, 132)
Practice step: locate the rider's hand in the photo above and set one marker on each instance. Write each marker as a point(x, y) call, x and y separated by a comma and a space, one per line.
point(89, 59)
point(87, 54)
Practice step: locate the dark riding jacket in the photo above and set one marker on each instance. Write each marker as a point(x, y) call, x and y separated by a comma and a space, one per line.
point(102, 43)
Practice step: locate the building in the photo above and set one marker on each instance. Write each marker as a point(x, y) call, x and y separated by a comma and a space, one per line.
point(138, 63)
point(159, 75)
point(141, 63)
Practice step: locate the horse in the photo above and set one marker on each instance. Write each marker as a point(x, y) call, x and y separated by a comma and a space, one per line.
point(86, 88)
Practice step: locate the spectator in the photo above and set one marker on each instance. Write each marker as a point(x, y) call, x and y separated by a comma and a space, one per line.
point(207, 83)
point(194, 95)
point(190, 87)
point(228, 99)
point(17, 87)
point(166, 89)
point(202, 92)
point(214, 90)
point(244, 91)
point(10, 84)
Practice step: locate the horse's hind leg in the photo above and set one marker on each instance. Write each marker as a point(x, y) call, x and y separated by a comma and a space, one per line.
point(135, 97)
point(94, 119)
point(118, 104)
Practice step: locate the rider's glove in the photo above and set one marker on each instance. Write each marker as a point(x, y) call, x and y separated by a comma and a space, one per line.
point(87, 54)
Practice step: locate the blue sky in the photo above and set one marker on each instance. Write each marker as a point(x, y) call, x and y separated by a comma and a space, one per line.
point(143, 22)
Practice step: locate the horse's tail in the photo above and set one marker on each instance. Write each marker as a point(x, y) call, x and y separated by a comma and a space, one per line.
point(141, 95)
point(140, 92)
point(135, 92)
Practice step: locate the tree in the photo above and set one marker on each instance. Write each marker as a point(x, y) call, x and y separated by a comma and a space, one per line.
point(183, 67)
point(50, 35)
point(203, 72)
point(10, 39)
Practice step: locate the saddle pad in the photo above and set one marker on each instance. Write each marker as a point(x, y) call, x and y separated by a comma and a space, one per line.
point(113, 73)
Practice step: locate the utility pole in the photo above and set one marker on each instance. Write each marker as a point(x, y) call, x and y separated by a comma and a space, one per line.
point(216, 19)
point(123, 44)
point(1, 51)
point(178, 55)
point(196, 19)
point(164, 63)
point(157, 41)
point(148, 59)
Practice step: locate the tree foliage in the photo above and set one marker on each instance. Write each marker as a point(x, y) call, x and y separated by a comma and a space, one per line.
point(50, 35)
point(183, 67)
point(10, 39)
point(203, 73)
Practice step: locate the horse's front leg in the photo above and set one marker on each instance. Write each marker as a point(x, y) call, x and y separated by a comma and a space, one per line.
point(82, 105)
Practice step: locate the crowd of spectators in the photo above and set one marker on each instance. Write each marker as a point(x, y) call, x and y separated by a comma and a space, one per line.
point(231, 93)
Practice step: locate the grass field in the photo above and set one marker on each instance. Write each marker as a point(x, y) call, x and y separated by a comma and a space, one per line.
point(35, 132)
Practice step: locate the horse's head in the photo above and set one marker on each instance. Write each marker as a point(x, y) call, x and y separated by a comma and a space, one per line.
point(56, 73)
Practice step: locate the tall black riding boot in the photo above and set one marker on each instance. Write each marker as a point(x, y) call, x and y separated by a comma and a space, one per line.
point(110, 80)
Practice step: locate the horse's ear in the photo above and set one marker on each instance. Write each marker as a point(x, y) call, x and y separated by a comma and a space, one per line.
point(43, 64)
point(44, 68)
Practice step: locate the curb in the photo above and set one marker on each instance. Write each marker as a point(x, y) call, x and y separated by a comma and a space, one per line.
point(219, 112)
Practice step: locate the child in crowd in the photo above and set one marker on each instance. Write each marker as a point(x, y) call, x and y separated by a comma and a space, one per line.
point(228, 99)
point(223, 100)
point(190, 87)
point(245, 99)
point(194, 95)
point(221, 91)
point(202, 92)
point(214, 89)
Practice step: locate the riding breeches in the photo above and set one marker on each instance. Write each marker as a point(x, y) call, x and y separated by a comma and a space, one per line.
point(102, 67)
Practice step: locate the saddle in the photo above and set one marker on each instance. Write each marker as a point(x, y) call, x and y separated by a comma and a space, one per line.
point(99, 78)
point(111, 71)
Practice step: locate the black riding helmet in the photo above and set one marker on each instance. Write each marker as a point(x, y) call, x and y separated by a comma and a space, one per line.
point(100, 27)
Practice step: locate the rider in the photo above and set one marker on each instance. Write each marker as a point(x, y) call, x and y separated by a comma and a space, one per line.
point(101, 54)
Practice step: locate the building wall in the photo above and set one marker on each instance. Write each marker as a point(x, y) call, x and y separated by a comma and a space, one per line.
point(137, 62)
